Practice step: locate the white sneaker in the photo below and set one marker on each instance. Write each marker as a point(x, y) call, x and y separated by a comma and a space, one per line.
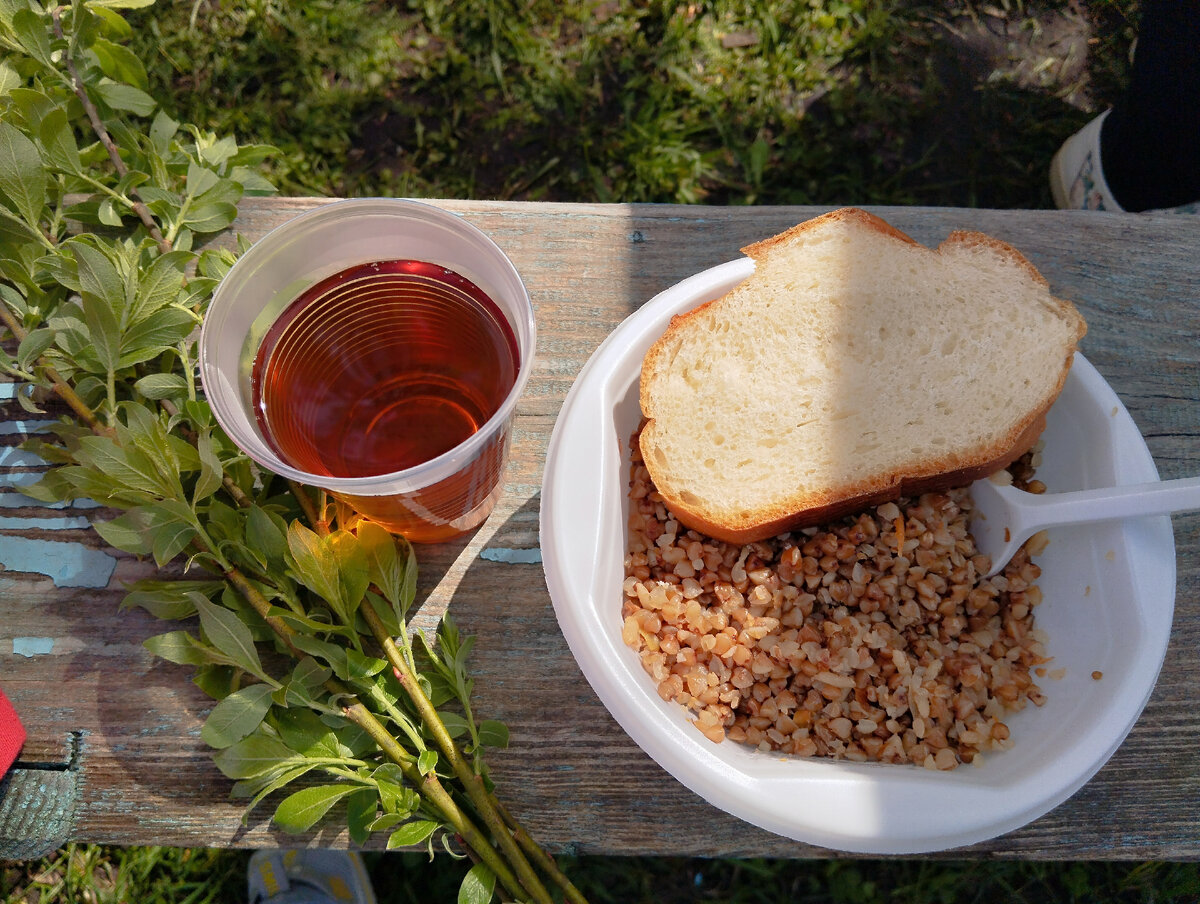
point(1076, 176)
point(308, 877)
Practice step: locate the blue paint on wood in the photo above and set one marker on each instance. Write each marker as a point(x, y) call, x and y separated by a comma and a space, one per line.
point(32, 646)
point(17, 500)
point(16, 457)
point(512, 556)
point(68, 564)
point(8, 392)
point(24, 428)
point(78, 522)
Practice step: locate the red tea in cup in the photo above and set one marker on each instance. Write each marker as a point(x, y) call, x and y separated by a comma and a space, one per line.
point(390, 382)
point(382, 367)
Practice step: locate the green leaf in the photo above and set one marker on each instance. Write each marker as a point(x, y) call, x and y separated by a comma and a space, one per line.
point(108, 214)
point(211, 471)
point(493, 733)
point(33, 345)
point(427, 761)
point(260, 786)
point(219, 151)
point(161, 386)
point(58, 139)
point(301, 811)
point(256, 755)
point(211, 217)
point(304, 732)
point(159, 284)
point(359, 665)
point(22, 176)
point(168, 599)
point(216, 680)
point(114, 23)
point(125, 532)
point(153, 335)
point(411, 833)
point(98, 274)
point(456, 725)
point(162, 130)
point(396, 798)
point(478, 885)
point(228, 633)
point(200, 179)
point(236, 716)
point(8, 78)
point(181, 648)
point(266, 535)
point(32, 106)
point(33, 32)
point(170, 540)
point(120, 63)
point(333, 655)
point(314, 563)
point(353, 570)
point(361, 807)
point(386, 613)
point(126, 97)
point(385, 567)
point(97, 5)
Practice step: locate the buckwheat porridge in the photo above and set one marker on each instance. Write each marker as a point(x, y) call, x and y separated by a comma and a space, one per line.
point(871, 638)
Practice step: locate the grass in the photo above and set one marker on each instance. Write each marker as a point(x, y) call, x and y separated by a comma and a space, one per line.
point(92, 874)
point(725, 101)
point(746, 102)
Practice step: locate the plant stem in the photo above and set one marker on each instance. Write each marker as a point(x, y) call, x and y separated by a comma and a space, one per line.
point(540, 857)
point(306, 505)
point(114, 153)
point(61, 387)
point(432, 789)
point(428, 784)
point(484, 803)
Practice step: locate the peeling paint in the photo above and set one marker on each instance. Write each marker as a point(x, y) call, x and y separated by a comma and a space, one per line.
point(512, 556)
point(16, 457)
point(24, 428)
point(32, 646)
point(18, 500)
point(16, 479)
point(77, 522)
point(67, 564)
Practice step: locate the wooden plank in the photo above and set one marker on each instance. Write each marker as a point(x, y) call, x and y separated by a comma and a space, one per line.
point(70, 662)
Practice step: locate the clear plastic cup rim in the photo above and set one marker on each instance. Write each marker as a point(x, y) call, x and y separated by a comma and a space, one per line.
point(224, 385)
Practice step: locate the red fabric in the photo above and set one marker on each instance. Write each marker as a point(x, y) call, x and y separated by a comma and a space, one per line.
point(12, 734)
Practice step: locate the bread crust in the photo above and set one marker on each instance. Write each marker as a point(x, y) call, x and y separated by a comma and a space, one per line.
point(811, 507)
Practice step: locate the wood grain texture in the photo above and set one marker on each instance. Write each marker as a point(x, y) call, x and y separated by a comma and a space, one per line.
point(571, 774)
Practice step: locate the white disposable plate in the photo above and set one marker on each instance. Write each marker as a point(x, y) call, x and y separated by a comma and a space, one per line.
point(1109, 596)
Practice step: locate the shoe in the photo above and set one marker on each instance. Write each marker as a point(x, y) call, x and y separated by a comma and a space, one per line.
point(1076, 176)
point(308, 877)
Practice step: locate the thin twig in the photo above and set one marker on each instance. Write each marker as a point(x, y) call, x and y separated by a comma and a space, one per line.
point(484, 803)
point(61, 386)
point(98, 126)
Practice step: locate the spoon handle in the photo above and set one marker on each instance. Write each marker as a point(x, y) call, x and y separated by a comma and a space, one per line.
point(1113, 503)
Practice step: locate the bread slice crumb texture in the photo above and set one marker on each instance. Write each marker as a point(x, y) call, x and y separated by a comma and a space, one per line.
point(852, 361)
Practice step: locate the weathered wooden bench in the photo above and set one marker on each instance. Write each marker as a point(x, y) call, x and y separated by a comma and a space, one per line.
point(114, 753)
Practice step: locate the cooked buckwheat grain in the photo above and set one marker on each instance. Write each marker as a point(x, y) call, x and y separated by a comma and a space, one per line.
point(869, 639)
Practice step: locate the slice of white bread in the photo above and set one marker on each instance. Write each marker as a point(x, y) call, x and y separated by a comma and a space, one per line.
point(854, 366)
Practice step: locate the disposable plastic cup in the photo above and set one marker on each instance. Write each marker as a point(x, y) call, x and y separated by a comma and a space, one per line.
point(335, 353)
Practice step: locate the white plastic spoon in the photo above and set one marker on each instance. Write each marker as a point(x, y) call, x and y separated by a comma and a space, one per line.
point(1005, 517)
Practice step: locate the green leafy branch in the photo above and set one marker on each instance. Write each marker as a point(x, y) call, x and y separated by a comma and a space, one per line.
point(295, 626)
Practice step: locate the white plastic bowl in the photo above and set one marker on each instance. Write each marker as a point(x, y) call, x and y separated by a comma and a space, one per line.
point(1109, 596)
